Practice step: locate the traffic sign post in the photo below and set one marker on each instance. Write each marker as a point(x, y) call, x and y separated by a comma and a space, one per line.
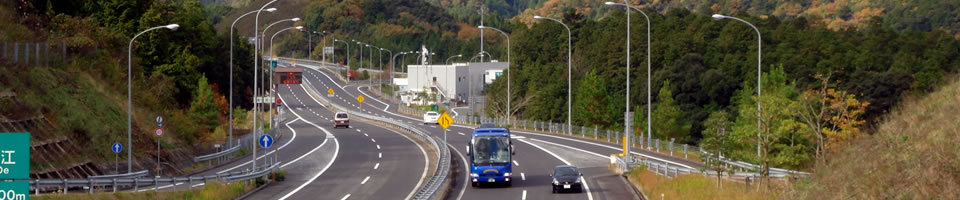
point(158, 132)
point(360, 99)
point(116, 155)
point(265, 141)
point(445, 120)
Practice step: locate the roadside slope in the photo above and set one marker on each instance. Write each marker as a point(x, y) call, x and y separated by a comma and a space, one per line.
point(914, 155)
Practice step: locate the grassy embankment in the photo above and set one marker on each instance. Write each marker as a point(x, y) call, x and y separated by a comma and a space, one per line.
point(209, 191)
point(693, 187)
point(915, 154)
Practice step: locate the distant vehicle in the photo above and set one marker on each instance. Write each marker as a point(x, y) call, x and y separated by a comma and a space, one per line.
point(490, 152)
point(567, 177)
point(341, 119)
point(430, 117)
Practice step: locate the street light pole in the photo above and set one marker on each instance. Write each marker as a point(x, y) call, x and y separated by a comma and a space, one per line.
point(280, 31)
point(391, 62)
point(759, 44)
point(448, 59)
point(649, 120)
point(172, 27)
point(348, 54)
point(509, 110)
point(569, 72)
point(269, 89)
point(256, 56)
point(230, 132)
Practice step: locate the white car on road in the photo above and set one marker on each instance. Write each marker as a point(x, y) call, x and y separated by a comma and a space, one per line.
point(430, 117)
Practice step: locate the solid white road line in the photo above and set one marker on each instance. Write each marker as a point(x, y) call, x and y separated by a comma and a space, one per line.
point(465, 175)
point(609, 147)
point(585, 187)
point(365, 180)
point(376, 166)
point(380, 155)
point(335, 153)
point(375, 99)
point(461, 133)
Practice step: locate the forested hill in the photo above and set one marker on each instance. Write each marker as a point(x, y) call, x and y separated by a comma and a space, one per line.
point(901, 15)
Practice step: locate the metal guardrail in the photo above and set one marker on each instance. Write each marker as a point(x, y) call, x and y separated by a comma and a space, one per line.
point(216, 155)
point(429, 189)
point(127, 175)
point(115, 183)
point(745, 165)
point(255, 174)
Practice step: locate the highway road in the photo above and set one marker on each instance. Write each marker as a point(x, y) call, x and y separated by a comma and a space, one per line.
point(537, 153)
point(361, 162)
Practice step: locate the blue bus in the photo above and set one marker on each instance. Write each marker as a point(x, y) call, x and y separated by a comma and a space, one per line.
point(490, 153)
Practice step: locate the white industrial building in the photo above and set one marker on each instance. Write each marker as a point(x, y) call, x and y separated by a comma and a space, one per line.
point(457, 82)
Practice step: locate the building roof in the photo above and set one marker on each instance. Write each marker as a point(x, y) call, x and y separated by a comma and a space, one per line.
point(289, 69)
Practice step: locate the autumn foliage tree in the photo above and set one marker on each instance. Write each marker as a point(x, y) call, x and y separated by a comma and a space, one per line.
point(833, 116)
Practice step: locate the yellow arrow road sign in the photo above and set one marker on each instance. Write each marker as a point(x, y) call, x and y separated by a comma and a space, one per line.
point(360, 99)
point(445, 120)
point(330, 91)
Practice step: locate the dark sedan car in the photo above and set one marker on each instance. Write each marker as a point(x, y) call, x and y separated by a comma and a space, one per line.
point(567, 178)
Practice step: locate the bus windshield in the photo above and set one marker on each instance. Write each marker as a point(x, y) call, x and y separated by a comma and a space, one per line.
point(491, 150)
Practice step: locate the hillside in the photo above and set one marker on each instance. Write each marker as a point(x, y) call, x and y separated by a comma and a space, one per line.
point(74, 94)
point(909, 15)
point(915, 154)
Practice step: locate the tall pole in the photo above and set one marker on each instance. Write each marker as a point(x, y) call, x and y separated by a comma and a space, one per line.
point(230, 132)
point(569, 72)
point(759, 44)
point(509, 98)
point(649, 120)
point(130, 93)
point(271, 89)
point(323, 53)
point(256, 56)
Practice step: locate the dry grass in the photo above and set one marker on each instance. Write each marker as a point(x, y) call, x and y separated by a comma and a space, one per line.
point(209, 191)
point(914, 155)
point(695, 187)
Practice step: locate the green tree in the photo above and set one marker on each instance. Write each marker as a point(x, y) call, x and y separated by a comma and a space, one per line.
point(669, 118)
point(780, 139)
point(202, 108)
point(717, 140)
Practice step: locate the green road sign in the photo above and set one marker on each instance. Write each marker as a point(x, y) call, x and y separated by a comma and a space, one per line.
point(17, 190)
point(273, 63)
point(14, 155)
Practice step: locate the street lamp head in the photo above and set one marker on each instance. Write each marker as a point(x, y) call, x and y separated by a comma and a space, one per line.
point(173, 27)
point(538, 17)
point(459, 55)
point(299, 28)
point(295, 19)
point(718, 16)
point(609, 3)
point(482, 27)
point(270, 9)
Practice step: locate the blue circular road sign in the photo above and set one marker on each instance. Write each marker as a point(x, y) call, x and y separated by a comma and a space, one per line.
point(266, 141)
point(117, 147)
